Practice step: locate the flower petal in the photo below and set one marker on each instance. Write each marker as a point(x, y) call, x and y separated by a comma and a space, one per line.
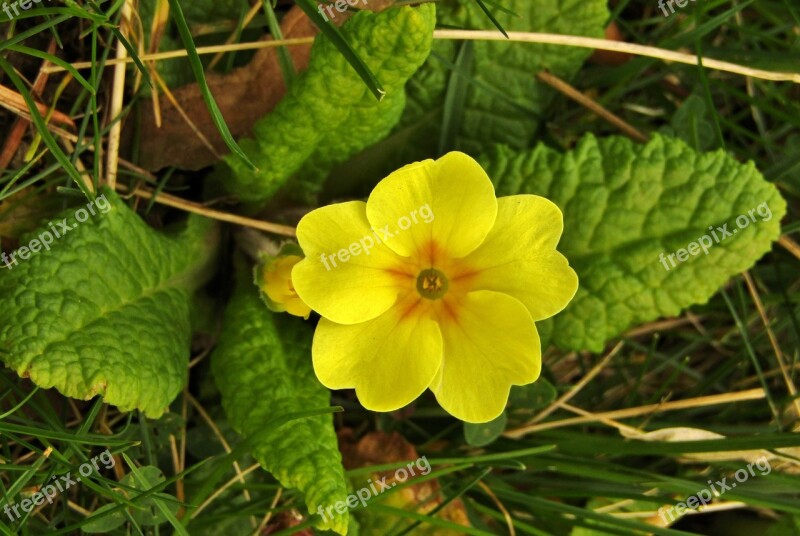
point(389, 360)
point(519, 258)
point(357, 289)
point(437, 207)
point(490, 344)
point(295, 306)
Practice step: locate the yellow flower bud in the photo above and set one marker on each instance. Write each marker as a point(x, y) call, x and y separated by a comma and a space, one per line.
point(276, 283)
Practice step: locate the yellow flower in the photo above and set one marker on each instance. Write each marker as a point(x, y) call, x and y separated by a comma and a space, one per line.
point(445, 298)
point(277, 284)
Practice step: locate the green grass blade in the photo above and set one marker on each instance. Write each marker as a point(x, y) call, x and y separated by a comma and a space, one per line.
point(41, 126)
point(332, 32)
point(455, 99)
point(179, 529)
point(33, 31)
point(197, 69)
point(480, 475)
point(55, 60)
point(284, 59)
point(491, 17)
point(434, 521)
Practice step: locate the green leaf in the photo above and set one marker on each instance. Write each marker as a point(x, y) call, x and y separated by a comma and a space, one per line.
point(691, 123)
point(148, 513)
point(105, 308)
point(262, 366)
point(328, 113)
point(625, 206)
point(167, 508)
point(527, 398)
point(502, 73)
point(492, 96)
point(105, 524)
point(480, 435)
point(159, 508)
point(151, 473)
point(331, 31)
point(457, 90)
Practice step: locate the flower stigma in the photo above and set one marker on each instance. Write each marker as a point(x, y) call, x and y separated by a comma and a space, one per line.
point(432, 284)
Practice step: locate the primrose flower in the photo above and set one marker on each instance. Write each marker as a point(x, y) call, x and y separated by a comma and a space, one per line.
point(433, 283)
point(276, 283)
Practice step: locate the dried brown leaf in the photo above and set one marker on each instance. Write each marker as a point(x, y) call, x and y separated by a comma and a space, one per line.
point(244, 95)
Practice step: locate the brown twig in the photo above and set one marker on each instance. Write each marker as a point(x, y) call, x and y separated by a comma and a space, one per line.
point(188, 206)
point(566, 397)
point(592, 105)
point(116, 100)
point(248, 18)
point(13, 101)
point(200, 50)
point(741, 396)
point(751, 287)
point(616, 46)
point(790, 245)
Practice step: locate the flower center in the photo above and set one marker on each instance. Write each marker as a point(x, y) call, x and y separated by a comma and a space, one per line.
point(432, 284)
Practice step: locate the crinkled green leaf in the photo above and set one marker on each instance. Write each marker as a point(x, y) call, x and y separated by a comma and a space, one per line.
point(106, 309)
point(262, 366)
point(624, 205)
point(505, 100)
point(328, 113)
